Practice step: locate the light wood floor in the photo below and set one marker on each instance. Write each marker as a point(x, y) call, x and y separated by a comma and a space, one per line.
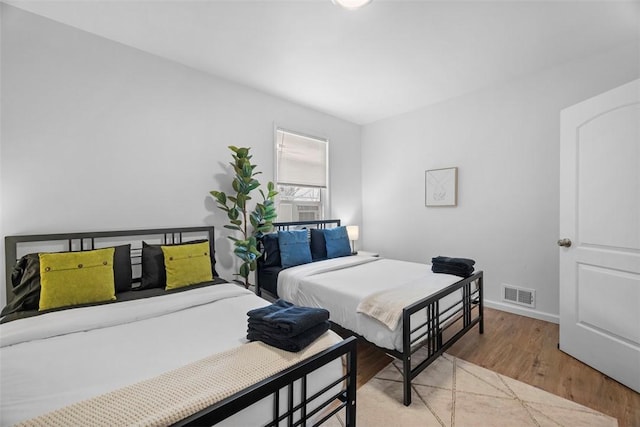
point(526, 349)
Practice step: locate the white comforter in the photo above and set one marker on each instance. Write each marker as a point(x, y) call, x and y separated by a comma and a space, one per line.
point(89, 318)
point(341, 284)
point(53, 360)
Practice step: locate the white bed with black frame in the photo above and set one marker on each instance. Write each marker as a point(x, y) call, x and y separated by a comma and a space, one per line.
point(432, 310)
point(58, 362)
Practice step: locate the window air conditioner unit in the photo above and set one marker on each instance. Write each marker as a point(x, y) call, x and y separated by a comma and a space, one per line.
point(308, 212)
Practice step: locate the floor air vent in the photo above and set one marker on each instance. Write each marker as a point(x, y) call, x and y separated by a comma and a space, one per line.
point(520, 296)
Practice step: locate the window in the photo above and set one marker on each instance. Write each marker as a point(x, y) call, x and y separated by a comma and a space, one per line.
point(301, 177)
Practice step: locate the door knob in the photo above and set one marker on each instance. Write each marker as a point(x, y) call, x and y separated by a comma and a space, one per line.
point(564, 242)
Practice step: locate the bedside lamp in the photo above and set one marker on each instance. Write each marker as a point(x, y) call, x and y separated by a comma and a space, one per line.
point(353, 231)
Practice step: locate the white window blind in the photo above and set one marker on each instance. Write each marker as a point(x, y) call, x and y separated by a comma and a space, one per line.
point(301, 160)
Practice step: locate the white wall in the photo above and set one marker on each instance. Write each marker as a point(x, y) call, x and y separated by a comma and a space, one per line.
point(505, 142)
point(98, 136)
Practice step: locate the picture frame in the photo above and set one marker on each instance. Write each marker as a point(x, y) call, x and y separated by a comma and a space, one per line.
point(441, 187)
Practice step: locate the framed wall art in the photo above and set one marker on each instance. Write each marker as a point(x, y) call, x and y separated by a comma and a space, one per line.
point(441, 187)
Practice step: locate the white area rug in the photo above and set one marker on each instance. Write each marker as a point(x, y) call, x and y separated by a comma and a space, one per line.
point(455, 393)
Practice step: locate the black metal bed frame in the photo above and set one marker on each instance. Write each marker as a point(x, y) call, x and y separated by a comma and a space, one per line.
point(85, 241)
point(318, 223)
point(428, 334)
point(297, 411)
point(285, 380)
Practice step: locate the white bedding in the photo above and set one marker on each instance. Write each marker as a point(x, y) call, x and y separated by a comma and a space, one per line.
point(53, 360)
point(341, 284)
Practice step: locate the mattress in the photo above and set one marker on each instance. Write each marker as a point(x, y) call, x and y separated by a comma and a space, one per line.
point(341, 284)
point(53, 360)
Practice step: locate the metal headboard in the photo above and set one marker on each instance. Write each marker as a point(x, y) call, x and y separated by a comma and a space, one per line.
point(317, 223)
point(93, 240)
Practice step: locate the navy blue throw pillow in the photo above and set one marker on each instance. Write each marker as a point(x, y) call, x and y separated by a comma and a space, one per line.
point(294, 248)
point(337, 242)
point(318, 245)
point(271, 250)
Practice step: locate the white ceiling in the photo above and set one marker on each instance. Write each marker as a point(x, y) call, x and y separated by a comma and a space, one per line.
point(390, 57)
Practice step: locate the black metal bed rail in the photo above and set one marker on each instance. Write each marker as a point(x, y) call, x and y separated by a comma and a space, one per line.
point(459, 310)
point(320, 223)
point(304, 402)
point(435, 344)
point(335, 397)
point(272, 387)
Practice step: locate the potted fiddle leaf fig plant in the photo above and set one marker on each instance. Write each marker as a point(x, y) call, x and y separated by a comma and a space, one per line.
point(251, 224)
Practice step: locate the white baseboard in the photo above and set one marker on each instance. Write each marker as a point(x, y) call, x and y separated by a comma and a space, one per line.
point(523, 311)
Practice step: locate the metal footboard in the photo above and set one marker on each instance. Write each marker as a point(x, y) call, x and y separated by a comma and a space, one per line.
point(297, 412)
point(429, 334)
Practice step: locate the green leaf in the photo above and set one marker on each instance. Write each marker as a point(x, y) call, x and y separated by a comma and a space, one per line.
point(232, 227)
point(255, 251)
point(246, 170)
point(244, 270)
point(220, 196)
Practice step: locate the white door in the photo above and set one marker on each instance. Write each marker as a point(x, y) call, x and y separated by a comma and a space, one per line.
point(600, 220)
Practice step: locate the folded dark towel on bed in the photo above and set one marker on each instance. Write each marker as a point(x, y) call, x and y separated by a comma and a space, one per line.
point(262, 326)
point(455, 271)
point(462, 267)
point(285, 319)
point(295, 320)
point(464, 262)
point(294, 343)
point(258, 313)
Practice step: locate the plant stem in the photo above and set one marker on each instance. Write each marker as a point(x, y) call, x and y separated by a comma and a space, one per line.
point(244, 223)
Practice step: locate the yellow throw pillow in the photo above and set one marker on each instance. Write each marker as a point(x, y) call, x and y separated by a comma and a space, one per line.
point(71, 278)
point(187, 264)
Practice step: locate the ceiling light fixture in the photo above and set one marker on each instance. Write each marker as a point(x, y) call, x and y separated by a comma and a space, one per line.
point(351, 4)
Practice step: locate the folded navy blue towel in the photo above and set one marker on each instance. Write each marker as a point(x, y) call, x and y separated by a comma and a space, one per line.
point(454, 271)
point(462, 262)
point(295, 320)
point(285, 319)
point(294, 343)
point(258, 313)
point(462, 267)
